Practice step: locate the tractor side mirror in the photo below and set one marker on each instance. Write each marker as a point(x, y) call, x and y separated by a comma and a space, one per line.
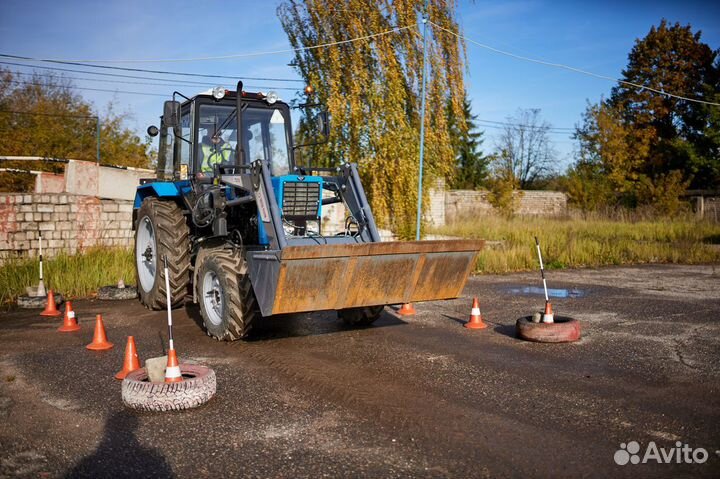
point(171, 114)
point(153, 131)
point(323, 120)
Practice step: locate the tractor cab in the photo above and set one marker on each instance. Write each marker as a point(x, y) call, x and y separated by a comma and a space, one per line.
point(204, 143)
point(208, 134)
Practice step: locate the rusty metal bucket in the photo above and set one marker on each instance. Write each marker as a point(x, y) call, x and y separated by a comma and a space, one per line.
point(314, 278)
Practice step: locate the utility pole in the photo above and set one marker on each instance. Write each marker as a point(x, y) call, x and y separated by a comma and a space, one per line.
point(422, 122)
point(97, 153)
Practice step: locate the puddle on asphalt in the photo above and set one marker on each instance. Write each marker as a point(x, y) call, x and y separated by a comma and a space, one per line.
point(552, 292)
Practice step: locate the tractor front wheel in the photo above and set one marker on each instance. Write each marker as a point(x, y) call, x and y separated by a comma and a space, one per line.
point(161, 231)
point(227, 302)
point(364, 316)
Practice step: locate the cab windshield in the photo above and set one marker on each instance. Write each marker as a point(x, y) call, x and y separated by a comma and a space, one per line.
point(264, 137)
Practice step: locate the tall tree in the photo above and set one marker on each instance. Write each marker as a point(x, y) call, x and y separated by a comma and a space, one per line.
point(372, 90)
point(44, 116)
point(524, 152)
point(471, 165)
point(640, 137)
point(614, 146)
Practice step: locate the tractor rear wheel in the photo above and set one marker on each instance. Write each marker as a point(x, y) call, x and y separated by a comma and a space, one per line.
point(227, 302)
point(161, 231)
point(364, 316)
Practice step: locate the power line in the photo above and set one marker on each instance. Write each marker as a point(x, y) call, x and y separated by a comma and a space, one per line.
point(558, 128)
point(180, 83)
point(120, 75)
point(160, 72)
point(573, 69)
point(22, 82)
point(46, 114)
point(91, 89)
point(228, 57)
point(502, 128)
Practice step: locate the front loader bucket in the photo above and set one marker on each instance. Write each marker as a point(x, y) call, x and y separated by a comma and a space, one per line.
point(339, 276)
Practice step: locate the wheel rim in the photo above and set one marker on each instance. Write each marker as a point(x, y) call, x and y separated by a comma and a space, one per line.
point(146, 254)
point(212, 295)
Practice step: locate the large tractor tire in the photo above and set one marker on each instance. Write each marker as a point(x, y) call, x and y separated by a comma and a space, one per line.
point(161, 230)
point(227, 302)
point(359, 317)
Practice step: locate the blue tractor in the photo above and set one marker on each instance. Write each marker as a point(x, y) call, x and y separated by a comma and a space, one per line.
point(241, 225)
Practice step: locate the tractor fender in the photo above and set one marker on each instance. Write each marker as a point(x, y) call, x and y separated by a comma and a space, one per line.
point(158, 189)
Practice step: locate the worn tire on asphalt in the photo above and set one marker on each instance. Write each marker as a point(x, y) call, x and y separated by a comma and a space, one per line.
point(115, 293)
point(364, 316)
point(172, 238)
point(197, 388)
point(236, 304)
point(563, 330)
point(37, 302)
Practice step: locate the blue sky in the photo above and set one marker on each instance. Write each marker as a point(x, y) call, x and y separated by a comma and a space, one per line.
point(594, 36)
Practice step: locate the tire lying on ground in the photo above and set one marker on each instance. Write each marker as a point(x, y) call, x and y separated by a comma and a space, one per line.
point(37, 302)
point(197, 388)
point(563, 330)
point(115, 293)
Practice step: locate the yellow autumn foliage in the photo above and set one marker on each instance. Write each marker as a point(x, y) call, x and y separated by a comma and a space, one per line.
point(372, 90)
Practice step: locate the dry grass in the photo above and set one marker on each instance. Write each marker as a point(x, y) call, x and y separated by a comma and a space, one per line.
point(565, 243)
point(587, 242)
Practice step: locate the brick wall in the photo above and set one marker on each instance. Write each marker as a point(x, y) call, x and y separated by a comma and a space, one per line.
point(463, 203)
point(73, 223)
point(542, 203)
point(435, 214)
point(69, 223)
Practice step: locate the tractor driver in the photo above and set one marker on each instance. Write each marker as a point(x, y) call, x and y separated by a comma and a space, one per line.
point(215, 151)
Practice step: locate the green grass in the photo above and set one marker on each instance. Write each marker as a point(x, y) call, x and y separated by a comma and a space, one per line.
point(565, 243)
point(580, 243)
point(74, 276)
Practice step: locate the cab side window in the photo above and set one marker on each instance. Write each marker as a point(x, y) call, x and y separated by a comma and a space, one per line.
point(186, 131)
point(256, 146)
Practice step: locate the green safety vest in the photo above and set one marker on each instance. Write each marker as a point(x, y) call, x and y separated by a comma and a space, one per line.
point(213, 156)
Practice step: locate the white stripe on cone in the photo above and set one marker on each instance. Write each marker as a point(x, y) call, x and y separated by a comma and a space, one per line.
point(548, 318)
point(475, 312)
point(172, 372)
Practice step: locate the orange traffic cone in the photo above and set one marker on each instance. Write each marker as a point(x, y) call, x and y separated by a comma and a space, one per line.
point(476, 321)
point(548, 317)
point(70, 324)
point(132, 362)
point(51, 306)
point(407, 309)
point(172, 371)
point(99, 342)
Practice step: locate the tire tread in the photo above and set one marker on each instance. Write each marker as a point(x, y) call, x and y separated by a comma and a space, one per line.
point(242, 308)
point(172, 236)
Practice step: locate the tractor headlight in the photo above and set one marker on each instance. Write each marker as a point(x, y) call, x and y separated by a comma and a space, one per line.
point(272, 97)
point(218, 93)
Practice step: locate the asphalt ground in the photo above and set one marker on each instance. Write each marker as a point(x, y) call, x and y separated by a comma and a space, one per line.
point(416, 396)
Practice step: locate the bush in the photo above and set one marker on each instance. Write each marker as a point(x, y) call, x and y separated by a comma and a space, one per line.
point(663, 193)
point(504, 195)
